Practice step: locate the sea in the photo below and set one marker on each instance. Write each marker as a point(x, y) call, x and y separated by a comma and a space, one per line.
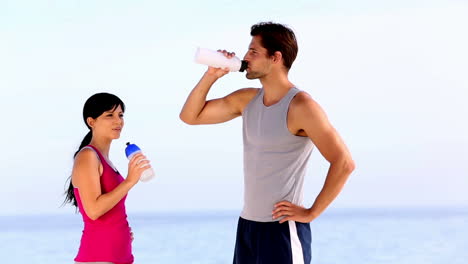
point(360, 236)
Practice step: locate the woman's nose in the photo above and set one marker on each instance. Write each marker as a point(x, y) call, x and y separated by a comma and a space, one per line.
point(118, 120)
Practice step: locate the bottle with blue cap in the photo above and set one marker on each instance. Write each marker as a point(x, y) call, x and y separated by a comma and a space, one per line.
point(132, 150)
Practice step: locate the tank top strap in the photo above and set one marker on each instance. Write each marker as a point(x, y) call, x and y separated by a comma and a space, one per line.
point(258, 97)
point(290, 95)
point(101, 157)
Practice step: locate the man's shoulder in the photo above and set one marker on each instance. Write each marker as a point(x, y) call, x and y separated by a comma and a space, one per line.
point(242, 97)
point(302, 99)
point(245, 94)
point(303, 103)
point(247, 91)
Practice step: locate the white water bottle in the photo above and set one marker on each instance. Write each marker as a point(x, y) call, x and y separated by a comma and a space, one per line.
point(130, 151)
point(218, 60)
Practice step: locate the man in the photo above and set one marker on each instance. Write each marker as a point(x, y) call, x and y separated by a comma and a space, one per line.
point(281, 125)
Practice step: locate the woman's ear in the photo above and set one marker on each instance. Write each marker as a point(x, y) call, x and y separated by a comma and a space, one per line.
point(90, 121)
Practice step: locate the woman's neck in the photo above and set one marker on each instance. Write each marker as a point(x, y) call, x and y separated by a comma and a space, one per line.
point(102, 145)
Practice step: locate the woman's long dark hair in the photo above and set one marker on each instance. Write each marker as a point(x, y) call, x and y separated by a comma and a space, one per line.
point(95, 106)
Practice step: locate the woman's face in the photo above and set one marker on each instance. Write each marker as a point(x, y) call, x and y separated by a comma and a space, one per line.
point(109, 124)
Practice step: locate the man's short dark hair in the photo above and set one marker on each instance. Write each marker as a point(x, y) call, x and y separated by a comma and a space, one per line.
point(277, 37)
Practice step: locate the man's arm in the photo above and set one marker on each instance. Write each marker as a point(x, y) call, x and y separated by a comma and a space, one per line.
point(308, 116)
point(197, 110)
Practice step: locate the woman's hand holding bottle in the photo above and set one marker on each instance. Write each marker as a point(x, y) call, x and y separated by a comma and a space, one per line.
point(136, 166)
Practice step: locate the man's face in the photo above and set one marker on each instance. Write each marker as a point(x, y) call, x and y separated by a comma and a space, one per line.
point(259, 63)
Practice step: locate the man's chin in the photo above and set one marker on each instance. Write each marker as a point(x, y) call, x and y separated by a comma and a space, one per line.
point(251, 76)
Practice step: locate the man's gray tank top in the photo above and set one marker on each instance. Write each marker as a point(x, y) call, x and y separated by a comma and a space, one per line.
point(275, 160)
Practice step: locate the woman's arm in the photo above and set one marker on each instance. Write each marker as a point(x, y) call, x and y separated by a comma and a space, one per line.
point(86, 178)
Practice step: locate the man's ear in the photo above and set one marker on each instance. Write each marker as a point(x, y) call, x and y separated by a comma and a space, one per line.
point(90, 121)
point(277, 56)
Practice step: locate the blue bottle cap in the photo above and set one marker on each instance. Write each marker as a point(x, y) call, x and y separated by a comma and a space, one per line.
point(131, 148)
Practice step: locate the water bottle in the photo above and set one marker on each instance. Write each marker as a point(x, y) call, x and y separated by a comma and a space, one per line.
point(132, 150)
point(218, 60)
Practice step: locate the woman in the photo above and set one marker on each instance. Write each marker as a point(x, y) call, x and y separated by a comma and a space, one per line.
point(97, 188)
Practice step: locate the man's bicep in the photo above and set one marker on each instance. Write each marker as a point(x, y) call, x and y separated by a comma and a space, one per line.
point(226, 108)
point(218, 111)
point(322, 133)
point(329, 143)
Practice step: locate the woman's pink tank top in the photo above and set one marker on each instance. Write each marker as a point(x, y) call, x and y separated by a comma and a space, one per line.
point(107, 238)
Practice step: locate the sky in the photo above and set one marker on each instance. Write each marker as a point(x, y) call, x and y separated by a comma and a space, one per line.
point(391, 76)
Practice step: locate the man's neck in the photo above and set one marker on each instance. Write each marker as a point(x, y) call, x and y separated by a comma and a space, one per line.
point(275, 86)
